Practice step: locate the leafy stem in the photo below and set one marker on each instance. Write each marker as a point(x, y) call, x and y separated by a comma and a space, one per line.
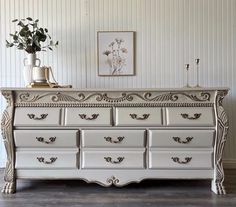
point(30, 37)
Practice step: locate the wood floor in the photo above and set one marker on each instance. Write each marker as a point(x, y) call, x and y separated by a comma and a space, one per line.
point(148, 193)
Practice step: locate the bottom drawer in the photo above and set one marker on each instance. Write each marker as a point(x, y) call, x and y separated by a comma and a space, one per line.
point(181, 159)
point(46, 159)
point(113, 159)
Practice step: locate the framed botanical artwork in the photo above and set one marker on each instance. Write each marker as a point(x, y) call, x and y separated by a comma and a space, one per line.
point(115, 53)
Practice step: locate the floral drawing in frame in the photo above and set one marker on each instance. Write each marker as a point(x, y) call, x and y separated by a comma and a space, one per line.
point(115, 53)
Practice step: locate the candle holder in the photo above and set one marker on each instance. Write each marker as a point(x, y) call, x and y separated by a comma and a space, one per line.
point(187, 69)
point(197, 61)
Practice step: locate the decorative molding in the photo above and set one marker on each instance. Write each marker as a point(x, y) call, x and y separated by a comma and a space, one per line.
point(7, 134)
point(113, 180)
point(221, 135)
point(99, 97)
point(115, 105)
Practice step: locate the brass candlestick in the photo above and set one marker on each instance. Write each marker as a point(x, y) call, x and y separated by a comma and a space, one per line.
point(187, 68)
point(197, 61)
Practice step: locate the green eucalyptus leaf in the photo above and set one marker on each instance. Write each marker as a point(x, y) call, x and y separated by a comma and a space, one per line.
point(21, 24)
point(20, 46)
point(41, 30)
point(15, 37)
point(11, 45)
point(30, 37)
point(29, 18)
point(23, 32)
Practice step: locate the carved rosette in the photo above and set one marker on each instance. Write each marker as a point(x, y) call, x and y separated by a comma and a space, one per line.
point(7, 134)
point(221, 135)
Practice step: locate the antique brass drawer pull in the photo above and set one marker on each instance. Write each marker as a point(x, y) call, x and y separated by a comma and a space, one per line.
point(176, 159)
point(195, 116)
point(42, 159)
point(84, 116)
point(186, 141)
point(135, 116)
point(34, 117)
point(51, 140)
point(109, 139)
point(109, 159)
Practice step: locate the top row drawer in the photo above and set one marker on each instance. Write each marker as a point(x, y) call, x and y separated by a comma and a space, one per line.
point(123, 116)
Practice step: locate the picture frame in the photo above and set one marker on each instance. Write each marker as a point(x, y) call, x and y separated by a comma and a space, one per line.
point(115, 53)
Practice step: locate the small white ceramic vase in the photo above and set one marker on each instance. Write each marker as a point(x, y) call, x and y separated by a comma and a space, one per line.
point(30, 62)
point(27, 74)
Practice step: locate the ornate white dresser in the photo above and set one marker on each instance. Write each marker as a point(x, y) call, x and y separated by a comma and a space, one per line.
point(114, 137)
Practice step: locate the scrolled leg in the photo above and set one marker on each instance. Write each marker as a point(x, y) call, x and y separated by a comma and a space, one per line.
point(220, 139)
point(7, 135)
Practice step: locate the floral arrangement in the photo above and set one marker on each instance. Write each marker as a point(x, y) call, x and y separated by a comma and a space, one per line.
point(30, 37)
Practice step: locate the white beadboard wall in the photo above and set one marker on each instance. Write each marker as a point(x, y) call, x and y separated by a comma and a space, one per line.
point(169, 33)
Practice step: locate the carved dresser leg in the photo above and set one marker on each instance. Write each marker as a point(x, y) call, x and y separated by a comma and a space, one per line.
point(7, 134)
point(221, 135)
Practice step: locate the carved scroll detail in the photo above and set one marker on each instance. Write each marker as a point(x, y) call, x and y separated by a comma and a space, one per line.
point(222, 130)
point(7, 134)
point(99, 97)
point(113, 180)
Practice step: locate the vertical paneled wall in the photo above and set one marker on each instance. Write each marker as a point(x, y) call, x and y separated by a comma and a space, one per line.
point(169, 33)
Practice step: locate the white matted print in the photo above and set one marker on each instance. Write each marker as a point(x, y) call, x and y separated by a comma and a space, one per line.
point(115, 53)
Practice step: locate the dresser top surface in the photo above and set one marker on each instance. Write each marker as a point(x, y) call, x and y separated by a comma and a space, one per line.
point(115, 89)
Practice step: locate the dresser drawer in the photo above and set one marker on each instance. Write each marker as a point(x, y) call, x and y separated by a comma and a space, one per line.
point(46, 159)
point(113, 138)
point(138, 116)
point(181, 138)
point(190, 116)
point(46, 138)
point(113, 159)
point(39, 116)
point(88, 116)
point(180, 159)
